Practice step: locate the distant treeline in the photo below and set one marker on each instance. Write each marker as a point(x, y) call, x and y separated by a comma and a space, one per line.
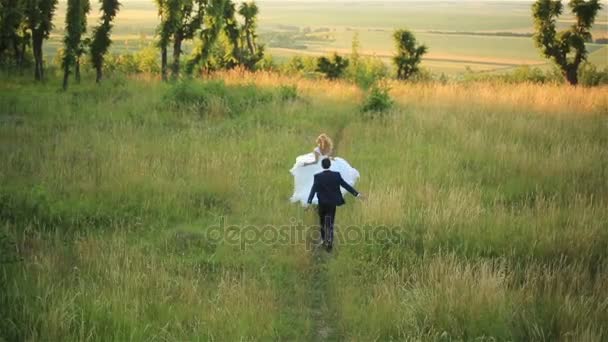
point(502, 34)
point(492, 34)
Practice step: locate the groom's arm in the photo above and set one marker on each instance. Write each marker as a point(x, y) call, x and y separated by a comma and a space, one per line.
point(313, 191)
point(348, 187)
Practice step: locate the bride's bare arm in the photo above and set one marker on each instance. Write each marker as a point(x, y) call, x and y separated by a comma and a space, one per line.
point(316, 159)
point(331, 155)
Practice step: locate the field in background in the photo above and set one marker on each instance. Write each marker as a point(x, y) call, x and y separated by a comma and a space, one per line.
point(486, 216)
point(482, 36)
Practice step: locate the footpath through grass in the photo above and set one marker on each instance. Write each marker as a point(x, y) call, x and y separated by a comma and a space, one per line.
point(136, 210)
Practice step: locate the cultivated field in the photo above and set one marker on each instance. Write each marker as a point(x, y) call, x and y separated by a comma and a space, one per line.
point(480, 35)
point(148, 211)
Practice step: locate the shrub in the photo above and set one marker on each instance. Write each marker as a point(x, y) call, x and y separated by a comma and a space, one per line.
point(332, 67)
point(147, 60)
point(424, 75)
point(215, 97)
point(529, 74)
point(266, 64)
point(288, 92)
point(366, 71)
point(299, 65)
point(7, 249)
point(589, 75)
point(144, 60)
point(378, 100)
point(521, 74)
point(293, 66)
point(124, 63)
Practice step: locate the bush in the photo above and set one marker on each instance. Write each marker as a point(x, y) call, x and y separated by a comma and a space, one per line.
point(589, 75)
point(144, 60)
point(8, 62)
point(525, 73)
point(215, 98)
point(293, 66)
point(147, 59)
point(378, 100)
point(366, 71)
point(203, 98)
point(521, 74)
point(288, 93)
point(8, 253)
point(425, 75)
point(299, 65)
point(332, 67)
point(266, 64)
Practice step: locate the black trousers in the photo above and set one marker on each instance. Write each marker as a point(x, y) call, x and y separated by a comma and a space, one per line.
point(327, 214)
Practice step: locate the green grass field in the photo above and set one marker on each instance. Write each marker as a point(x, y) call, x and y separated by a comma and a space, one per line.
point(375, 21)
point(136, 210)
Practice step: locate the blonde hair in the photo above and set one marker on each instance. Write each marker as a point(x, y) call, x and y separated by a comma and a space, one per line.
point(325, 144)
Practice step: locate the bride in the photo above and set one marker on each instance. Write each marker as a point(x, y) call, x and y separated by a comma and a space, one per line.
point(309, 164)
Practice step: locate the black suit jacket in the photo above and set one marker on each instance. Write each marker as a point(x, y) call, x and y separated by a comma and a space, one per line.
point(327, 187)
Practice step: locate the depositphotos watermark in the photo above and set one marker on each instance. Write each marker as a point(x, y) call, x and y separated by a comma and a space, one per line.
point(296, 233)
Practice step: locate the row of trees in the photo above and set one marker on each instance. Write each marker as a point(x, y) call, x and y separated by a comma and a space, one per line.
point(25, 23)
point(28, 23)
point(205, 22)
point(75, 44)
point(201, 21)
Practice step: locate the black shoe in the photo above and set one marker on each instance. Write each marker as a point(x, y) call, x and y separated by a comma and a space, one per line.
point(329, 246)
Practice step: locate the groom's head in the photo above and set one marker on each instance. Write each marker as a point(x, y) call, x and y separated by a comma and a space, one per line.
point(325, 163)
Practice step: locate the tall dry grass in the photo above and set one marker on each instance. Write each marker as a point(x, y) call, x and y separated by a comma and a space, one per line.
point(493, 199)
point(550, 99)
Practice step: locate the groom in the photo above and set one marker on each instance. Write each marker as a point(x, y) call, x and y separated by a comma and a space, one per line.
point(327, 187)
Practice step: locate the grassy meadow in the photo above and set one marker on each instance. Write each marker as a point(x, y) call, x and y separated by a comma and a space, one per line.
point(137, 210)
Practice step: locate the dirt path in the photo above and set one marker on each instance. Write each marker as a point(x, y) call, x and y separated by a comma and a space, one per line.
point(323, 317)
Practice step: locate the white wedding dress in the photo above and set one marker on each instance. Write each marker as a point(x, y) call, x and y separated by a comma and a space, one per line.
point(303, 176)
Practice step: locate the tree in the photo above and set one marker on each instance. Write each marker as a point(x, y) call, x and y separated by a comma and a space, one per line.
point(101, 36)
point(180, 21)
point(167, 11)
point(249, 12)
point(83, 43)
point(566, 48)
point(409, 54)
point(39, 14)
point(332, 67)
point(73, 34)
point(207, 36)
point(243, 49)
point(188, 21)
point(233, 33)
point(239, 41)
point(13, 33)
point(255, 53)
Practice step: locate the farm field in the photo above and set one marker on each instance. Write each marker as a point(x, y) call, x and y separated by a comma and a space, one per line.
point(450, 29)
point(146, 211)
